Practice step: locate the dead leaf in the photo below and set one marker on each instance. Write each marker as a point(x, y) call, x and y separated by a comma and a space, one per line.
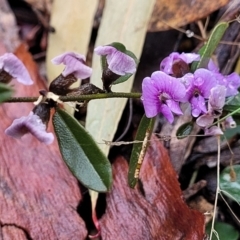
point(176, 13)
point(38, 194)
point(160, 213)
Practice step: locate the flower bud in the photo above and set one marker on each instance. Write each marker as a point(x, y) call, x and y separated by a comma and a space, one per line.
point(108, 77)
point(60, 85)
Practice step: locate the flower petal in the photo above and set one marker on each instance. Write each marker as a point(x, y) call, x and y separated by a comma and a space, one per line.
point(30, 124)
point(75, 64)
point(120, 63)
point(174, 107)
point(212, 66)
point(165, 110)
point(213, 131)
point(170, 85)
point(198, 106)
point(167, 63)
point(217, 97)
point(62, 58)
point(205, 120)
point(12, 65)
point(150, 98)
point(189, 57)
point(207, 79)
point(104, 50)
point(230, 122)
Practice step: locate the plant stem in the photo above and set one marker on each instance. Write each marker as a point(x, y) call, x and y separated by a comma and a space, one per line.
point(218, 183)
point(80, 97)
point(228, 115)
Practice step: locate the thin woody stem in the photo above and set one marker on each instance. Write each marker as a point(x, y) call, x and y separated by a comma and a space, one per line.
point(80, 97)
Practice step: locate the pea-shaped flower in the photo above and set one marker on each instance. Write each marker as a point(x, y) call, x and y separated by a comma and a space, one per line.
point(168, 62)
point(35, 123)
point(215, 105)
point(119, 62)
point(74, 64)
point(162, 93)
point(12, 67)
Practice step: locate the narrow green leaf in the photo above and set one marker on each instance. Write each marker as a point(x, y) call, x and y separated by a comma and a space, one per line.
point(225, 231)
point(234, 100)
point(232, 108)
point(5, 92)
point(207, 50)
point(230, 182)
point(184, 130)
point(81, 154)
point(139, 149)
point(122, 79)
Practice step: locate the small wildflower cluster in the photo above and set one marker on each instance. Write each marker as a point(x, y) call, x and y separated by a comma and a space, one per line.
point(118, 64)
point(205, 89)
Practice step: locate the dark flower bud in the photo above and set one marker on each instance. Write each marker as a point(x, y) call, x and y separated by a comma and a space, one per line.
point(60, 85)
point(180, 68)
point(108, 77)
point(85, 89)
point(5, 77)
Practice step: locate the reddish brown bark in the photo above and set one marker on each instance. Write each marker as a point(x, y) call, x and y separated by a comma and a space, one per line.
point(158, 214)
point(38, 194)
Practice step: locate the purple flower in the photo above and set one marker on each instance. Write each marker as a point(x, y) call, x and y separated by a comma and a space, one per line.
point(217, 98)
point(30, 124)
point(167, 63)
point(118, 62)
point(231, 82)
point(213, 131)
point(215, 106)
point(14, 67)
point(230, 122)
point(75, 64)
point(161, 94)
point(198, 90)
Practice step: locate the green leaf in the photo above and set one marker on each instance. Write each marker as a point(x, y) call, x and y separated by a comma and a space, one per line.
point(225, 231)
point(230, 132)
point(139, 149)
point(230, 182)
point(235, 100)
point(207, 50)
point(5, 92)
point(119, 46)
point(81, 154)
point(231, 108)
point(122, 79)
point(184, 130)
